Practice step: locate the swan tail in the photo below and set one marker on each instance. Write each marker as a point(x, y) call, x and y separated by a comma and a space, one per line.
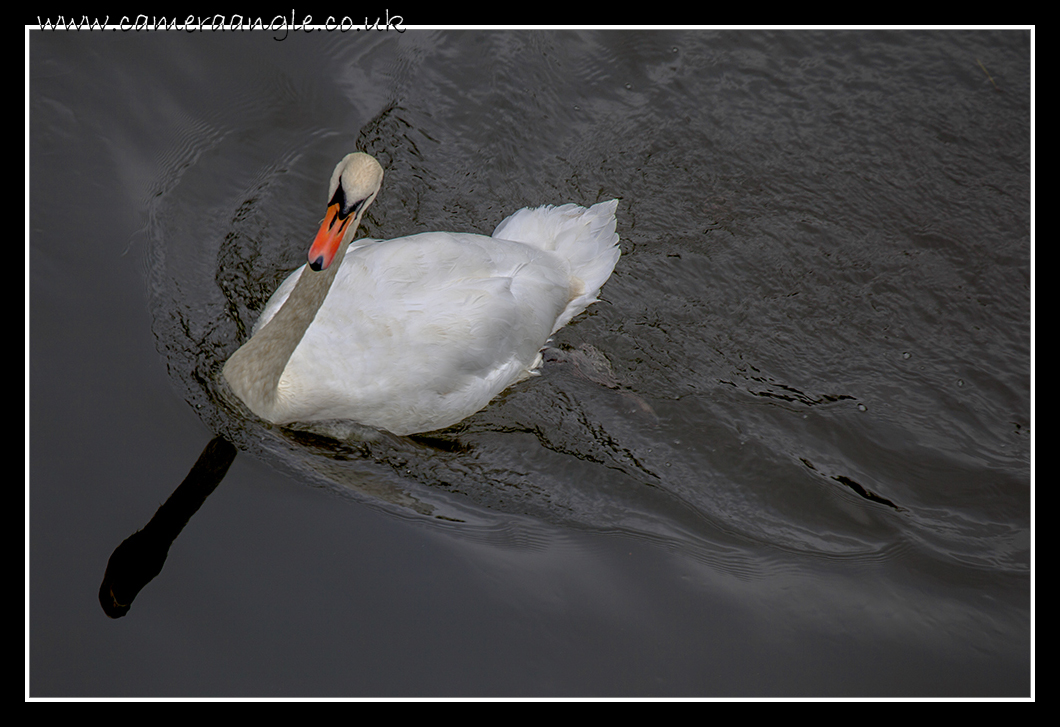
point(584, 237)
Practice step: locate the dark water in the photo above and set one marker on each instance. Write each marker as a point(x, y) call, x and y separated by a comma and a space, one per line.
point(788, 453)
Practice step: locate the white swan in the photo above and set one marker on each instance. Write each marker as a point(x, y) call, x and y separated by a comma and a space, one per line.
point(416, 333)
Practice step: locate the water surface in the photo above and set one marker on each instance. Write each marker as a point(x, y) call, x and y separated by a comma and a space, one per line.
point(788, 453)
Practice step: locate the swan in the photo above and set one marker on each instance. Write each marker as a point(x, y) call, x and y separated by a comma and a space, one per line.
point(417, 333)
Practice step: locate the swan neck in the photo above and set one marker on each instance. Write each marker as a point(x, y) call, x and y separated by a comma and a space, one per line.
point(255, 370)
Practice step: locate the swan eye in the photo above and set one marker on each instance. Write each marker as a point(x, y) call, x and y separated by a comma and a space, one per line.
point(339, 198)
point(345, 209)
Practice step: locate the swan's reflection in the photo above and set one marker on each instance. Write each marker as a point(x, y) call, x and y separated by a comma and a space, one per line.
point(141, 556)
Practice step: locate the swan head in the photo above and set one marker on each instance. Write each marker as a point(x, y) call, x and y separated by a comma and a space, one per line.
point(354, 184)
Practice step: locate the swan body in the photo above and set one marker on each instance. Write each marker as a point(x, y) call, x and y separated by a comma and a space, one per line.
point(417, 333)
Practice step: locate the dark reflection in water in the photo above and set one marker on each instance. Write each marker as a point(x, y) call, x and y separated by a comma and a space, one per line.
point(141, 556)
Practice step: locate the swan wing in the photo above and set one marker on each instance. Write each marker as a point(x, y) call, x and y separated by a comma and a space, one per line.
point(420, 332)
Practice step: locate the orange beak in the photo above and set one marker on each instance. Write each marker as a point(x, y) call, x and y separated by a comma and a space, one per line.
point(328, 239)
